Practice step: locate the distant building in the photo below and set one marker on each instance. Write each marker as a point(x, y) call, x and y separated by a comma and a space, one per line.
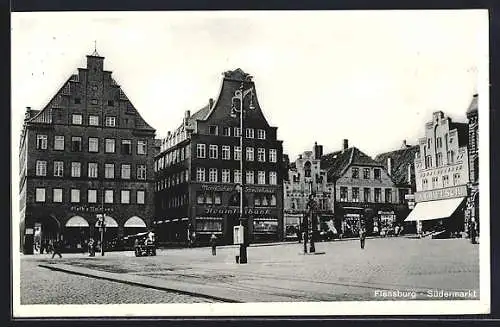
point(199, 167)
point(305, 176)
point(399, 164)
point(473, 199)
point(363, 190)
point(88, 151)
point(441, 174)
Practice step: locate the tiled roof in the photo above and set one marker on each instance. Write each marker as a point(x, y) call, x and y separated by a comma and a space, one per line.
point(463, 133)
point(473, 104)
point(336, 162)
point(400, 161)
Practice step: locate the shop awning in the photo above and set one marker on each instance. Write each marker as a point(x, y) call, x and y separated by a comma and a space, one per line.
point(108, 221)
point(77, 221)
point(135, 222)
point(434, 209)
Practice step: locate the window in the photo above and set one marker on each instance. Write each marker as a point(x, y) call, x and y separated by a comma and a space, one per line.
point(183, 156)
point(226, 152)
point(451, 157)
point(273, 200)
point(367, 194)
point(110, 121)
point(226, 131)
point(76, 119)
point(249, 177)
point(109, 171)
point(261, 177)
point(141, 172)
point(108, 196)
point(201, 151)
point(111, 103)
point(58, 142)
point(225, 176)
point(94, 101)
point(141, 147)
point(140, 197)
point(237, 176)
point(75, 196)
point(439, 159)
point(388, 195)
point(237, 132)
point(250, 154)
point(40, 194)
point(75, 169)
point(212, 151)
point(355, 172)
point(439, 142)
point(125, 171)
point(212, 175)
point(126, 147)
point(93, 144)
point(92, 196)
point(376, 173)
point(261, 154)
point(57, 195)
point(272, 155)
point(78, 101)
point(41, 168)
point(93, 120)
point(261, 134)
point(76, 144)
point(125, 197)
point(355, 194)
point(110, 146)
point(378, 195)
point(41, 142)
point(343, 194)
point(58, 168)
point(424, 184)
point(434, 182)
point(237, 153)
point(249, 133)
point(366, 173)
point(200, 174)
point(428, 161)
point(213, 130)
point(446, 180)
point(273, 179)
point(456, 178)
point(92, 170)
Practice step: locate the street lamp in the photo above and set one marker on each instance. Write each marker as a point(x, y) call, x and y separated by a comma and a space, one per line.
point(311, 204)
point(239, 96)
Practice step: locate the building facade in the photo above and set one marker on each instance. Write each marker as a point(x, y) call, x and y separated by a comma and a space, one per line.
point(473, 199)
point(442, 175)
point(363, 191)
point(87, 152)
point(198, 170)
point(306, 177)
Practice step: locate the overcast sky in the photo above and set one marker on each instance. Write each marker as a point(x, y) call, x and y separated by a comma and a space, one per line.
point(373, 77)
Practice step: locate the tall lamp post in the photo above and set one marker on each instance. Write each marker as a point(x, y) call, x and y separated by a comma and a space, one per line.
point(239, 96)
point(311, 204)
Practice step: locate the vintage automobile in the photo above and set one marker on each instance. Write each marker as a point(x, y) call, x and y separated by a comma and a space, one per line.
point(144, 244)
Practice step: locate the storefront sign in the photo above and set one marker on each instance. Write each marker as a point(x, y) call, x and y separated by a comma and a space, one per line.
point(90, 209)
point(29, 231)
point(234, 211)
point(230, 188)
point(441, 194)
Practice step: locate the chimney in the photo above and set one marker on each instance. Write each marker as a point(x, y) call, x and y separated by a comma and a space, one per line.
point(389, 166)
point(210, 103)
point(318, 151)
point(404, 144)
point(345, 144)
point(187, 114)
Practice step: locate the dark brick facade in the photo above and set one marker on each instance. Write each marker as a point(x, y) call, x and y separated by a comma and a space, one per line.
point(473, 148)
point(92, 92)
point(179, 208)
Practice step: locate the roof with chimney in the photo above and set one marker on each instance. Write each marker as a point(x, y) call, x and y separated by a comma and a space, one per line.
point(400, 160)
point(336, 163)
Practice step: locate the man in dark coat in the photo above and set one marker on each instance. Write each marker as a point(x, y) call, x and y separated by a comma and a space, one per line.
point(57, 248)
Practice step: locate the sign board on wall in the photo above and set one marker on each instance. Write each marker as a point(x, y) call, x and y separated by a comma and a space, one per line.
point(230, 188)
point(235, 210)
point(441, 194)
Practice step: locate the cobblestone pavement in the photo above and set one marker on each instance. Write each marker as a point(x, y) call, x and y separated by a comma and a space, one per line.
point(340, 271)
point(44, 286)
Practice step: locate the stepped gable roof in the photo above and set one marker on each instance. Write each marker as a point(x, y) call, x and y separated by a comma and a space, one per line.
point(337, 162)
point(473, 105)
point(400, 160)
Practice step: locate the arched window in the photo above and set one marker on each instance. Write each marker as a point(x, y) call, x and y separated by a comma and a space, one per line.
point(307, 169)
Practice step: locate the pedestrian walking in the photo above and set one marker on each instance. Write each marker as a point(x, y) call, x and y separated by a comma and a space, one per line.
point(473, 233)
point(396, 230)
point(57, 248)
point(362, 237)
point(91, 246)
point(213, 244)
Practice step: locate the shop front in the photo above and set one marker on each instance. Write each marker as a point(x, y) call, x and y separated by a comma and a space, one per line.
point(76, 234)
point(293, 222)
point(440, 211)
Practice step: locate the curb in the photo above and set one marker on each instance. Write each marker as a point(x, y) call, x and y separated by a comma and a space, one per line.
point(144, 285)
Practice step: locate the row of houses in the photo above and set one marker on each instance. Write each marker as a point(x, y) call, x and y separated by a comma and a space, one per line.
point(89, 154)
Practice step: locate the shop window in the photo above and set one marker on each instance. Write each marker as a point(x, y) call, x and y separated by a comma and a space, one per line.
point(208, 225)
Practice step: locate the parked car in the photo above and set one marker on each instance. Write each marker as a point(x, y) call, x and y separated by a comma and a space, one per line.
point(144, 244)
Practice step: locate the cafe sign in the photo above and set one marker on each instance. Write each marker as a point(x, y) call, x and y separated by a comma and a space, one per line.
point(441, 194)
point(90, 209)
point(234, 211)
point(230, 188)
